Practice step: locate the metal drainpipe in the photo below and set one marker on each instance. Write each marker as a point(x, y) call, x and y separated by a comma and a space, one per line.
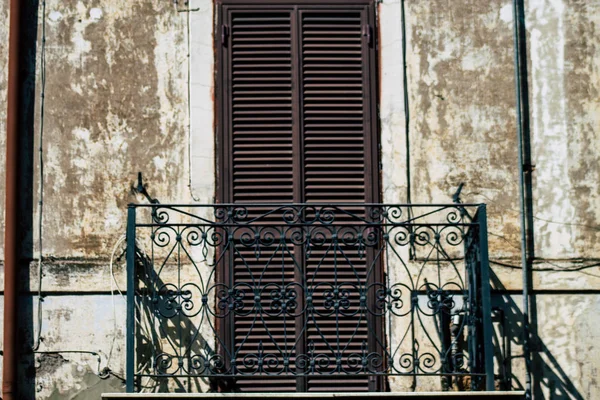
point(518, 26)
point(11, 242)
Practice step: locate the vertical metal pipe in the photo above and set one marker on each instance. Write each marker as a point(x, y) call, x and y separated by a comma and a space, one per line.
point(488, 331)
point(130, 343)
point(518, 26)
point(11, 242)
point(406, 102)
point(411, 249)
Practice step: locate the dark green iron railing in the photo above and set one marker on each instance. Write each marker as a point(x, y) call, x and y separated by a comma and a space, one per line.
point(226, 291)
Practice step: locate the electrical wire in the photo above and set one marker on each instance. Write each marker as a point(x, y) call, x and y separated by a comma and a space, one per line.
point(491, 201)
point(405, 95)
point(113, 284)
point(189, 98)
point(106, 372)
point(412, 252)
point(38, 336)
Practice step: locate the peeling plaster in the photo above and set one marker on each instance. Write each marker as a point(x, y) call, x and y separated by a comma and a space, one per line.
point(461, 90)
point(114, 107)
point(549, 123)
point(565, 126)
point(55, 16)
point(80, 46)
point(95, 14)
point(506, 13)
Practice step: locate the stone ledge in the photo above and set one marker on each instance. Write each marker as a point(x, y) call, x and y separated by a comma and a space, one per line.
point(512, 395)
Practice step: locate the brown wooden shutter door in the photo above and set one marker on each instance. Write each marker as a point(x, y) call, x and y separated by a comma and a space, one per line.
point(261, 165)
point(297, 125)
point(335, 137)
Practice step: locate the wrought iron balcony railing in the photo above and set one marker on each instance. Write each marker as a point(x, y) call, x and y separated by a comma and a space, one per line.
point(307, 292)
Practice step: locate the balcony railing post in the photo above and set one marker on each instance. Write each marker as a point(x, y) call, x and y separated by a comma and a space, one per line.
point(130, 334)
point(484, 264)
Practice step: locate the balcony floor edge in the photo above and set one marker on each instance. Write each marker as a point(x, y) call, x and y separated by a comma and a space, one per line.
point(504, 395)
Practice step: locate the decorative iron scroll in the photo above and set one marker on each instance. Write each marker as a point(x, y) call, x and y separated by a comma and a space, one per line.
point(403, 282)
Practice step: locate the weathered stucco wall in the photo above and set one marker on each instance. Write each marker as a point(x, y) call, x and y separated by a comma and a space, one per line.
point(564, 83)
point(116, 102)
point(462, 129)
point(460, 80)
point(460, 84)
point(565, 114)
point(461, 92)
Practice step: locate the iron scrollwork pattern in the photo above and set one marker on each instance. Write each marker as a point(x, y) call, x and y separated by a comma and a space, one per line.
point(230, 290)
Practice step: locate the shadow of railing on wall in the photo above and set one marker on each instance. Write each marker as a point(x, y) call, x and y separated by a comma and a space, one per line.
point(548, 375)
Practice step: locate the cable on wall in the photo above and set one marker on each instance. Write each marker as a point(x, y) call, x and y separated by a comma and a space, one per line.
point(38, 336)
point(40, 248)
point(411, 250)
point(406, 102)
point(113, 284)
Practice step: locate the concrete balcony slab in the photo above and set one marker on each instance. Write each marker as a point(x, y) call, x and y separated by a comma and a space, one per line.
point(512, 395)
